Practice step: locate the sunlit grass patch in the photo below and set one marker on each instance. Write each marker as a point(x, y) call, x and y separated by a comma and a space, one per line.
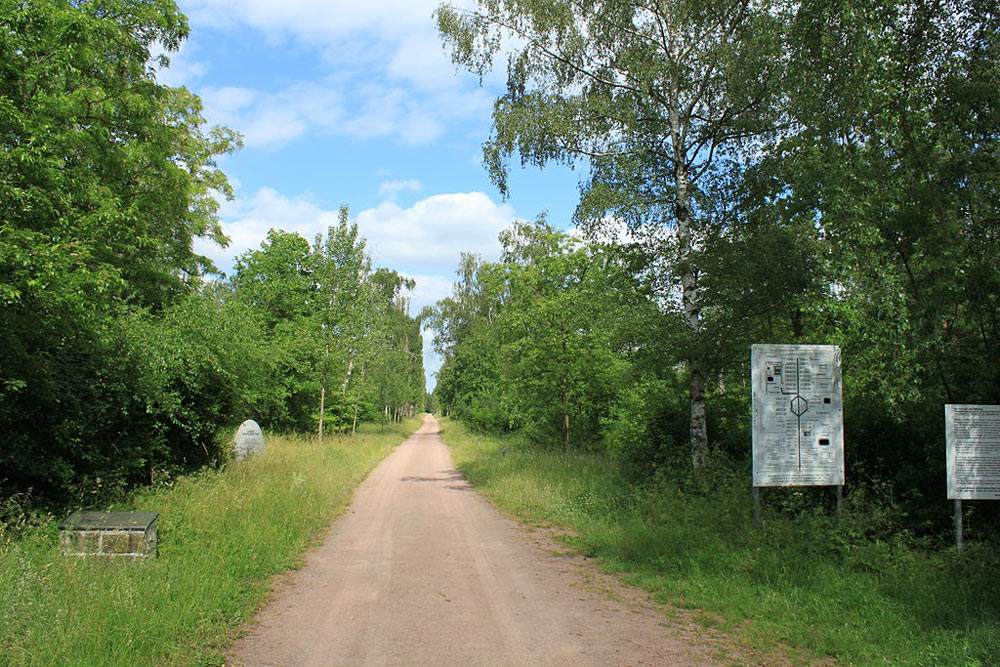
point(222, 535)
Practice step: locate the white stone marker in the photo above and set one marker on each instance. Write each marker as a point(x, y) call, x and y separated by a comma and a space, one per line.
point(249, 440)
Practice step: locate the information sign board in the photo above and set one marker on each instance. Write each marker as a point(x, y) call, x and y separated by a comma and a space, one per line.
point(972, 434)
point(798, 424)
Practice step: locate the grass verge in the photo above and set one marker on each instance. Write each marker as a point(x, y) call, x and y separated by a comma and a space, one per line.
point(800, 582)
point(222, 536)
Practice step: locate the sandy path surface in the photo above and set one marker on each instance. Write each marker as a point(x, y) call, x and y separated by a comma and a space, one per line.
point(422, 571)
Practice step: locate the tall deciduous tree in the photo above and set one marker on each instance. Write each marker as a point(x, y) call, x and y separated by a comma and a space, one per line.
point(106, 177)
point(561, 326)
point(339, 332)
point(470, 383)
point(651, 93)
point(544, 340)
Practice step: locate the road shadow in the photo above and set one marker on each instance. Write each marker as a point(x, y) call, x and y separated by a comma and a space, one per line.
point(454, 478)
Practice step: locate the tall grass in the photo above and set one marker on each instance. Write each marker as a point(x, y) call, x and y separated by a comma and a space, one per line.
point(800, 581)
point(222, 535)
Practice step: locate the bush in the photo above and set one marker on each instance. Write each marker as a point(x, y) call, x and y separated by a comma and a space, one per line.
point(647, 429)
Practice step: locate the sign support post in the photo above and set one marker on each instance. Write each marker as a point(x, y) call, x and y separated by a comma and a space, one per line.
point(756, 507)
point(840, 503)
point(958, 526)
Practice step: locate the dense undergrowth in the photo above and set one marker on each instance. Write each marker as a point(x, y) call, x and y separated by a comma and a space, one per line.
point(800, 580)
point(222, 535)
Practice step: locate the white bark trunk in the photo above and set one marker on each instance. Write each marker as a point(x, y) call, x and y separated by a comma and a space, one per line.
point(690, 301)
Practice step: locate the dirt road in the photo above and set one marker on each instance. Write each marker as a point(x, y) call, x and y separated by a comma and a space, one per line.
point(422, 571)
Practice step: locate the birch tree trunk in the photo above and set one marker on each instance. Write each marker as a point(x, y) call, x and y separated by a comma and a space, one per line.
point(700, 451)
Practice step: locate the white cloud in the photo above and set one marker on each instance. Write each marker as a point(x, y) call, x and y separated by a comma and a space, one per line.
point(265, 120)
point(425, 239)
point(367, 111)
point(228, 100)
point(247, 221)
point(389, 75)
point(313, 19)
point(429, 236)
point(390, 189)
point(421, 59)
point(400, 35)
point(183, 71)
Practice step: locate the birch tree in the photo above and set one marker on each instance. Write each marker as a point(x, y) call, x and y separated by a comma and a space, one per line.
point(654, 96)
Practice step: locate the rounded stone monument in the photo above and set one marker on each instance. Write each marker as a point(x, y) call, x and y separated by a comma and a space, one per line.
point(249, 440)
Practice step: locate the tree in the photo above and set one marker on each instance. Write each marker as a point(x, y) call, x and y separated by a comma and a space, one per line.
point(543, 341)
point(107, 178)
point(654, 95)
point(560, 326)
point(893, 158)
point(338, 331)
point(470, 383)
point(276, 284)
point(344, 306)
point(100, 160)
point(276, 281)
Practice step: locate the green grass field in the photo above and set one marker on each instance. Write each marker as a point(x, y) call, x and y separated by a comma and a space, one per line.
point(222, 536)
point(798, 582)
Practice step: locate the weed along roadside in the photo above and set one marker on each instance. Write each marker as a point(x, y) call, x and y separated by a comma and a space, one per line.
point(222, 536)
point(800, 585)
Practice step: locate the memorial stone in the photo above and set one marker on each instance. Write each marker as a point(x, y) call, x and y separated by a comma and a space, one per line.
point(249, 440)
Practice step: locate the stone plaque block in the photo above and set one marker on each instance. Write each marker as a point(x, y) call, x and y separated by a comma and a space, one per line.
point(249, 440)
point(118, 534)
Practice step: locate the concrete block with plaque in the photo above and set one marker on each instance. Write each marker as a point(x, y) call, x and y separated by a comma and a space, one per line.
point(114, 534)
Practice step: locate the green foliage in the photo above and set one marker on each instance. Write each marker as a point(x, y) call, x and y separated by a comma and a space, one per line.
point(118, 362)
point(107, 177)
point(222, 535)
point(332, 324)
point(655, 98)
point(892, 162)
point(541, 341)
point(645, 427)
point(108, 173)
point(827, 172)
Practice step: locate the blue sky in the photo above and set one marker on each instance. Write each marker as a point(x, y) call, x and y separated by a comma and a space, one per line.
point(357, 104)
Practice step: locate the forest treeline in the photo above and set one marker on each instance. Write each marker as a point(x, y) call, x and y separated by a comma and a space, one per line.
point(817, 172)
point(124, 358)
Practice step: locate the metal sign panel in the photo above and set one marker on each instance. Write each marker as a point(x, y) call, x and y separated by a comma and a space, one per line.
point(973, 451)
point(798, 423)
